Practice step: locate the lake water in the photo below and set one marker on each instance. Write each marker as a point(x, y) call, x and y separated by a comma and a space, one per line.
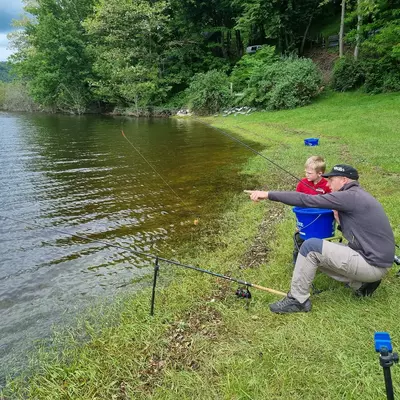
point(80, 176)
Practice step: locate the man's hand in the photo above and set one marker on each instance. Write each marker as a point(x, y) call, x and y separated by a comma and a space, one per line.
point(257, 195)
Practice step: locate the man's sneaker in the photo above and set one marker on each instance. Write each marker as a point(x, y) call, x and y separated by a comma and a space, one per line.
point(367, 288)
point(290, 305)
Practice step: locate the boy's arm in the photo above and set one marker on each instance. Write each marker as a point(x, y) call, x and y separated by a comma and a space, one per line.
point(301, 187)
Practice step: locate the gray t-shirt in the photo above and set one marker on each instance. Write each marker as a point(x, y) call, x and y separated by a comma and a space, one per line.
point(362, 218)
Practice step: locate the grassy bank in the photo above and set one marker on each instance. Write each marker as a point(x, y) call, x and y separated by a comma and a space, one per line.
point(203, 343)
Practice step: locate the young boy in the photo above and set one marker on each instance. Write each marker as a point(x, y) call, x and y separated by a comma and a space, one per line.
point(313, 183)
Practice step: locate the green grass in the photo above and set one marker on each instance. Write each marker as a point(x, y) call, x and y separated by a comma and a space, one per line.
point(203, 343)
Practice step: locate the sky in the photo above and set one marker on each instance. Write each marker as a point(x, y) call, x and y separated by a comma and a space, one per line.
point(9, 10)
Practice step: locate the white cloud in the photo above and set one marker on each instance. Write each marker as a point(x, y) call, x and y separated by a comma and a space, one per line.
point(3, 39)
point(9, 9)
point(4, 53)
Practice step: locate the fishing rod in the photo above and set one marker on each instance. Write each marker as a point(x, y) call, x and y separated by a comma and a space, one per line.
point(256, 152)
point(161, 177)
point(239, 292)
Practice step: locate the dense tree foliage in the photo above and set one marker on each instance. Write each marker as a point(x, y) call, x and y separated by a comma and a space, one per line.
point(127, 40)
point(52, 54)
point(246, 66)
point(282, 23)
point(376, 37)
point(79, 54)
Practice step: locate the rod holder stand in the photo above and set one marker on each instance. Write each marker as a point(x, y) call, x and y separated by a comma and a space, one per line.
point(153, 293)
point(387, 358)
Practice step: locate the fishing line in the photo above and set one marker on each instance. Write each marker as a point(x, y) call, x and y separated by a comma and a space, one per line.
point(397, 259)
point(152, 256)
point(161, 177)
point(241, 292)
point(148, 163)
point(256, 152)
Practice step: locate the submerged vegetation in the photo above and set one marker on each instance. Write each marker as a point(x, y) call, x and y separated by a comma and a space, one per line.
point(203, 342)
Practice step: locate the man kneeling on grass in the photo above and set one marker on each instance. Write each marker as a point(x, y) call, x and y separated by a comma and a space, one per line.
point(362, 263)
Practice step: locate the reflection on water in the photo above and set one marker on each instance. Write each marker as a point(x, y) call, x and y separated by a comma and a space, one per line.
point(79, 175)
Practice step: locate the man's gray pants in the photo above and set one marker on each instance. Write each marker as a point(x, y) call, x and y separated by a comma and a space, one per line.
point(338, 261)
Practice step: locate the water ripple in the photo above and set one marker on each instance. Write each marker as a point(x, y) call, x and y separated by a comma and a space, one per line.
point(77, 175)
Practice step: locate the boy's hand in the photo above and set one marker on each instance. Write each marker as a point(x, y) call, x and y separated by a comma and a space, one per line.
point(336, 215)
point(257, 195)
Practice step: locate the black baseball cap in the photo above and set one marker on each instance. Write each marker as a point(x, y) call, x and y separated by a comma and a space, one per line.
point(342, 170)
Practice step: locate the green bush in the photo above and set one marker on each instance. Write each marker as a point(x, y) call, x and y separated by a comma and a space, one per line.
point(245, 67)
point(14, 96)
point(288, 83)
point(2, 94)
point(208, 92)
point(348, 74)
point(381, 77)
point(373, 75)
point(381, 55)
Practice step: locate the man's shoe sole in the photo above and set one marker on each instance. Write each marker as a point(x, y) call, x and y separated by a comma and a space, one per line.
point(289, 312)
point(367, 289)
point(305, 309)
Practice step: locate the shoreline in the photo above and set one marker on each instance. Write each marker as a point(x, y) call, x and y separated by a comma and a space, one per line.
point(203, 342)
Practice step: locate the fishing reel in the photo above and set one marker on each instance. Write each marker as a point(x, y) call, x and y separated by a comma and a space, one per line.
point(397, 261)
point(243, 293)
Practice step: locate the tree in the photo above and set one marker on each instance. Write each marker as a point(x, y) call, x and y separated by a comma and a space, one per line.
point(127, 41)
point(341, 31)
point(51, 53)
point(375, 35)
point(364, 10)
point(284, 24)
point(379, 45)
point(213, 22)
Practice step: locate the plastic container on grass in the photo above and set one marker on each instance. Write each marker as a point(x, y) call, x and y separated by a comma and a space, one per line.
point(314, 222)
point(311, 142)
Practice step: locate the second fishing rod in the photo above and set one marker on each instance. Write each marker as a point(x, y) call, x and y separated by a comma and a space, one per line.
point(239, 292)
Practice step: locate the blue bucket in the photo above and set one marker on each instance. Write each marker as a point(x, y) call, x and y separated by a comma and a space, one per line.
point(311, 141)
point(314, 222)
